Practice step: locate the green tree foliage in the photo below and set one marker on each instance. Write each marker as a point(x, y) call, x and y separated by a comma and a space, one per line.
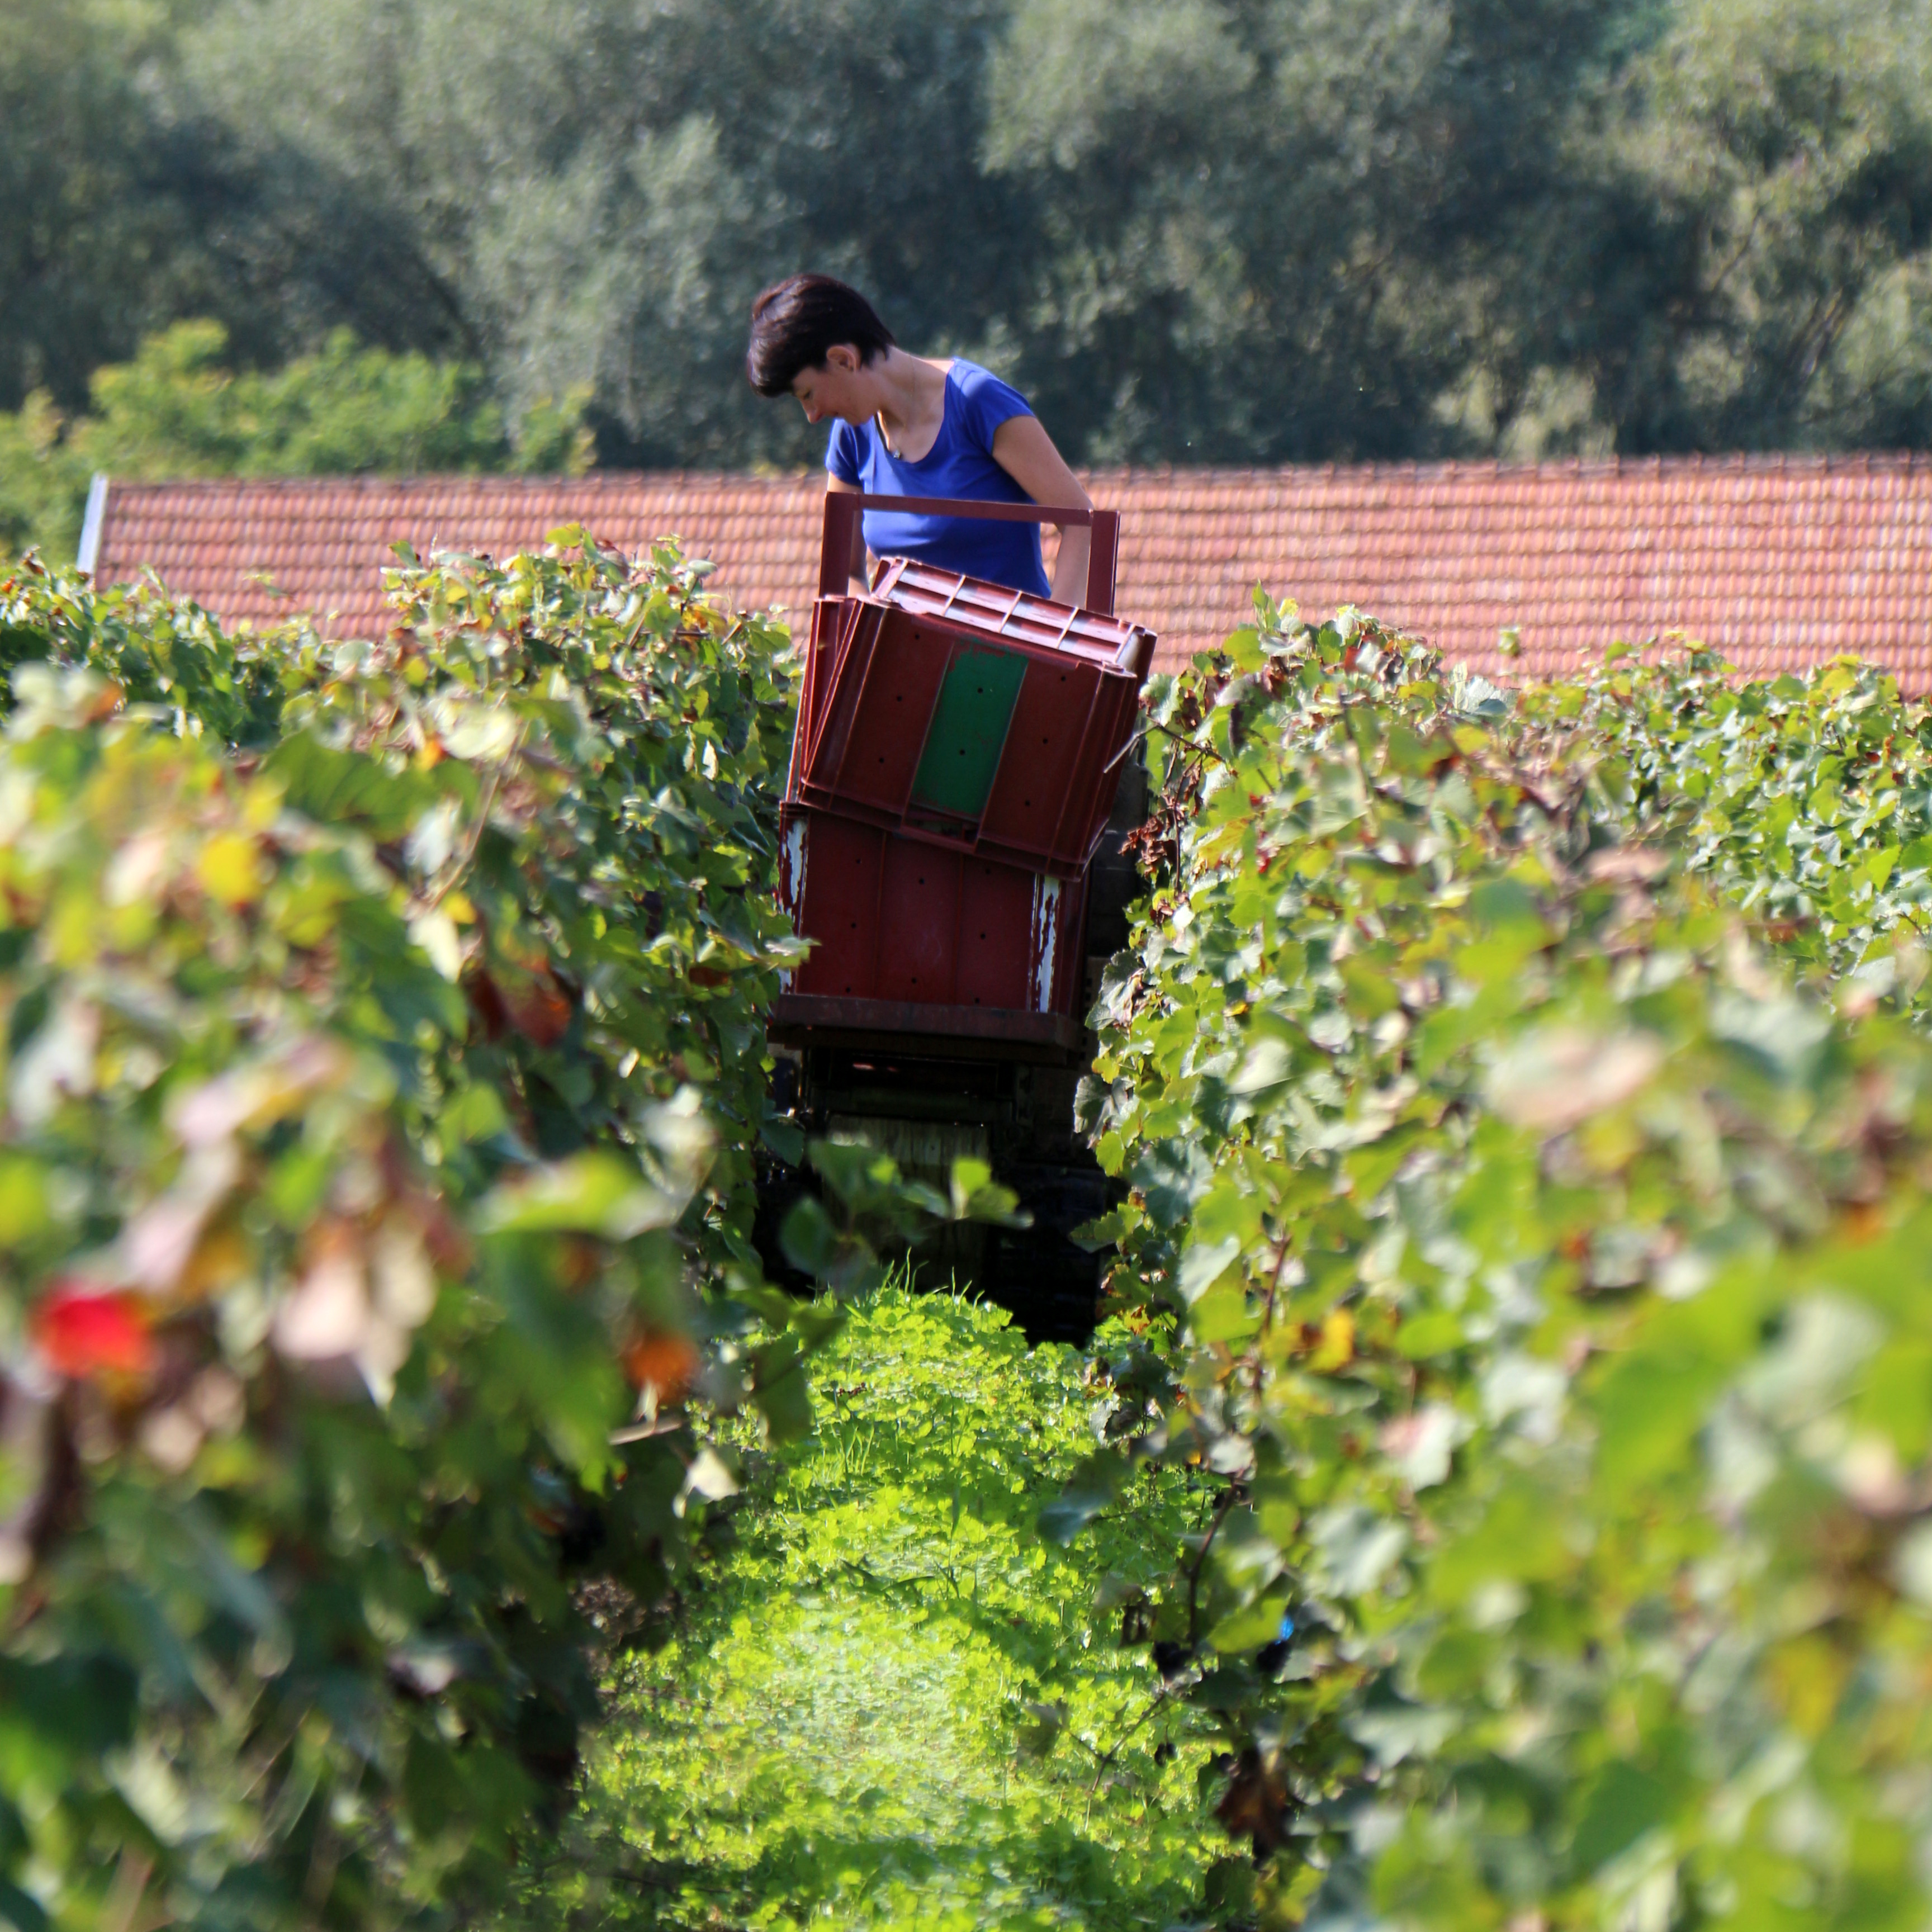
point(1224, 230)
point(383, 1054)
point(178, 409)
point(602, 199)
point(42, 491)
point(126, 205)
point(1760, 231)
point(1278, 229)
point(1525, 1118)
point(93, 247)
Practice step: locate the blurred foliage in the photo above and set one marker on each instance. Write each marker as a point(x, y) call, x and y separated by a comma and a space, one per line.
point(1528, 1125)
point(98, 247)
point(1214, 230)
point(885, 1714)
point(383, 1057)
point(176, 410)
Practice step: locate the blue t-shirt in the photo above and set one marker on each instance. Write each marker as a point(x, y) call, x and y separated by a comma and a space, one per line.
point(960, 463)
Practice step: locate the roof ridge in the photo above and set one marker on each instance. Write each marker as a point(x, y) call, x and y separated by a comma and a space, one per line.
point(1906, 461)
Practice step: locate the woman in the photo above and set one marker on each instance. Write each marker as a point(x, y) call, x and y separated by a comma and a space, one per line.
point(906, 426)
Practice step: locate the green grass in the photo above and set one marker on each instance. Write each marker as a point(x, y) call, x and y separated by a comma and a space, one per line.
point(847, 1730)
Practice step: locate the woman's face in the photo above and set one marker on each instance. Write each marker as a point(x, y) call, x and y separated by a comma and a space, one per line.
point(836, 388)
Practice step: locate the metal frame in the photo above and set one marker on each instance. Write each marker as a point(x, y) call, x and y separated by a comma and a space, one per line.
point(845, 509)
point(898, 1025)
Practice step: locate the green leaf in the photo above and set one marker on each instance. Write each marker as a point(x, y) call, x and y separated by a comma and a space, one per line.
point(1092, 1487)
point(1201, 1267)
point(780, 1388)
point(1102, 1232)
point(1036, 1737)
point(1248, 1629)
point(1244, 647)
point(83, 1704)
point(339, 788)
point(784, 1137)
point(20, 1910)
point(1620, 1804)
point(590, 1193)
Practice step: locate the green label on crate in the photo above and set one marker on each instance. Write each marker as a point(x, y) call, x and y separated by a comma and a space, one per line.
point(969, 726)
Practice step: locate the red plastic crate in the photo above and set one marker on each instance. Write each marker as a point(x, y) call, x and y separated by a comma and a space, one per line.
point(902, 921)
point(970, 715)
point(958, 748)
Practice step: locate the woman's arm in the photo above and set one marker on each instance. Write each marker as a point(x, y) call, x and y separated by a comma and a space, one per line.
point(857, 576)
point(1025, 451)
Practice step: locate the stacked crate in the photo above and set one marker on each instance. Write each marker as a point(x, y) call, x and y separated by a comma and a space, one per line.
point(957, 749)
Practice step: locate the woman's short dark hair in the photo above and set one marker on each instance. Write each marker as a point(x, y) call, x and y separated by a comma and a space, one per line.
point(796, 322)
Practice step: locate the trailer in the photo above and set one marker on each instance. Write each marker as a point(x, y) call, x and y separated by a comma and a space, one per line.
point(962, 781)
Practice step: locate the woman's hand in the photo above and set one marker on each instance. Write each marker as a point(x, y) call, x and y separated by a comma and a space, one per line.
point(1025, 451)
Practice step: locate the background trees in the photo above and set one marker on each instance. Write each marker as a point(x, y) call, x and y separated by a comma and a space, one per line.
point(1197, 229)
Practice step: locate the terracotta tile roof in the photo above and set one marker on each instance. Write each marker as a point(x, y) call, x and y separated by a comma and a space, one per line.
point(1777, 561)
point(254, 552)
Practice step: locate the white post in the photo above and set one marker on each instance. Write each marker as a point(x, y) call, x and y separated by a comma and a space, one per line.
point(90, 528)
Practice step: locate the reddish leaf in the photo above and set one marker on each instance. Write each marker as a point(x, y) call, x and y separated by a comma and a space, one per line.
point(540, 1012)
point(486, 1002)
point(667, 1363)
point(85, 1332)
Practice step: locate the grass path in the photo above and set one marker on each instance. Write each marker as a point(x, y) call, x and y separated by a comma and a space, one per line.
point(848, 1729)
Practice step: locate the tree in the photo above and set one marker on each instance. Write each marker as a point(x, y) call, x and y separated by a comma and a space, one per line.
point(1277, 229)
point(177, 409)
point(1242, 230)
point(92, 246)
point(1746, 247)
point(602, 202)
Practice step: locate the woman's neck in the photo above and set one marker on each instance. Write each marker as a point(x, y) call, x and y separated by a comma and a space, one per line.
point(911, 397)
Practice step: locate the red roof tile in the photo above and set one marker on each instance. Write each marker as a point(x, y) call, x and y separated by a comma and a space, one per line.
point(1779, 562)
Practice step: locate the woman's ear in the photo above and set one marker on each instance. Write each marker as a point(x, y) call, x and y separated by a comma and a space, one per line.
point(842, 355)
